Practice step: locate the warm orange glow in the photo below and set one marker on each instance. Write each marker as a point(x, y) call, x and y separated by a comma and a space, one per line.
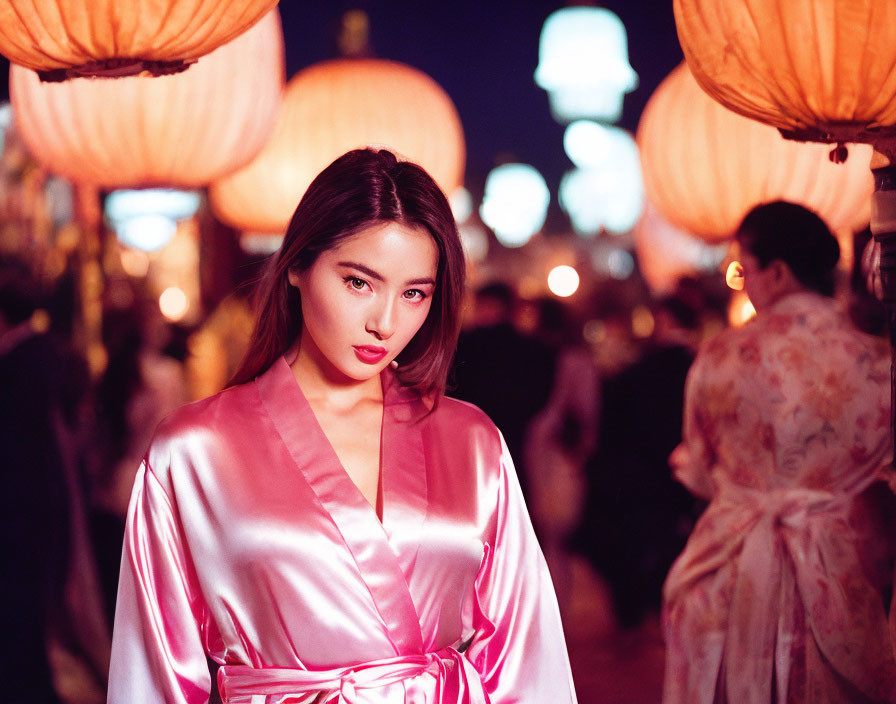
point(734, 276)
point(828, 72)
point(181, 130)
point(666, 253)
point(135, 262)
point(705, 166)
point(329, 109)
point(57, 34)
point(643, 322)
point(740, 309)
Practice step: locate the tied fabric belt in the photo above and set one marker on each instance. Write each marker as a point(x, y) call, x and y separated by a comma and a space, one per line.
point(455, 681)
point(782, 567)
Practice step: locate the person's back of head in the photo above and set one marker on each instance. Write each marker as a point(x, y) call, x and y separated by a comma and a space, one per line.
point(796, 236)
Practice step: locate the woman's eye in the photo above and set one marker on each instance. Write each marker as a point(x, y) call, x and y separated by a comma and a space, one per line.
point(355, 283)
point(414, 294)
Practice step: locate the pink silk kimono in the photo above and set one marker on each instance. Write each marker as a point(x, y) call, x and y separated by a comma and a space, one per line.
point(248, 543)
point(786, 422)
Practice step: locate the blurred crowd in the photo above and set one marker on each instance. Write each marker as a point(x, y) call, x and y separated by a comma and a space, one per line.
point(588, 397)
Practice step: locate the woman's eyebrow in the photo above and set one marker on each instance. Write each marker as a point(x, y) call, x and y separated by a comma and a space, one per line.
point(374, 275)
point(363, 269)
point(421, 282)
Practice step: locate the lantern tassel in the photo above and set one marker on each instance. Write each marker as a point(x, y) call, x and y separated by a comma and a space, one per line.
point(839, 153)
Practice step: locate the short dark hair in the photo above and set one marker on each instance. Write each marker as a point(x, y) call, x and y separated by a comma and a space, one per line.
point(796, 236)
point(361, 189)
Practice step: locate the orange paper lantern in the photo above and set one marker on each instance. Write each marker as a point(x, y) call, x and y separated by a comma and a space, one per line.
point(329, 109)
point(182, 130)
point(817, 69)
point(705, 166)
point(67, 38)
point(667, 254)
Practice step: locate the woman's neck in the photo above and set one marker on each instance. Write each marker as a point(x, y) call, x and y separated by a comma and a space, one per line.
point(324, 386)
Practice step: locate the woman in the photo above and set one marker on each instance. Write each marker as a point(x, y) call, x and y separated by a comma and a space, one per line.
point(330, 528)
point(786, 423)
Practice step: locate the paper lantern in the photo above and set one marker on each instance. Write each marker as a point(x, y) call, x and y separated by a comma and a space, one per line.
point(329, 109)
point(68, 38)
point(817, 69)
point(704, 166)
point(182, 130)
point(667, 254)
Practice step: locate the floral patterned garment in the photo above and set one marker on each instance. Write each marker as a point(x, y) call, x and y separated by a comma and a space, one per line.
point(786, 422)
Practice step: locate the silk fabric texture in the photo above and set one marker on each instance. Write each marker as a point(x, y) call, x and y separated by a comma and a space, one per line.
point(786, 423)
point(247, 542)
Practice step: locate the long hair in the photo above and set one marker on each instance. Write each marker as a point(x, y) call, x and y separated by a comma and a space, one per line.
point(361, 189)
point(796, 236)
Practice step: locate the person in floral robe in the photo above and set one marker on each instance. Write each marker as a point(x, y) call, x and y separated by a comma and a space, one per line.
point(786, 423)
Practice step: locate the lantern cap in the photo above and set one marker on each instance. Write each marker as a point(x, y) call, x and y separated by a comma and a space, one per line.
point(115, 68)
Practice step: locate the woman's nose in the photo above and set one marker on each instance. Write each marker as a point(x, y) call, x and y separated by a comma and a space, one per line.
point(382, 321)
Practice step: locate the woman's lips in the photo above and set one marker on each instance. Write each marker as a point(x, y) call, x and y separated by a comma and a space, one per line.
point(369, 354)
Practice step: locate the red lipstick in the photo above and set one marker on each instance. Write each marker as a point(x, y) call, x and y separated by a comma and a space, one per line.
point(369, 354)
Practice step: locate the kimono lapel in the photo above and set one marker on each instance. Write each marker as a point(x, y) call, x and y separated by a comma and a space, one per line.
point(403, 478)
point(356, 520)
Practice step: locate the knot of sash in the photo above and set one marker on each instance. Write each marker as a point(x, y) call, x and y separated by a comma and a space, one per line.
point(453, 675)
point(780, 569)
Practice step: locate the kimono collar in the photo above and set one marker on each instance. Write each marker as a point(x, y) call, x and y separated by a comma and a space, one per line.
point(404, 488)
point(804, 302)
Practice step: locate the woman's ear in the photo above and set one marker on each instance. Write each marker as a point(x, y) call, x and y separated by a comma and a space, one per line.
point(293, 276)
point(785, 280)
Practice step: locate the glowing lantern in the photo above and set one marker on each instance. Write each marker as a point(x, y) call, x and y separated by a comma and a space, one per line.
point(838, 82)
point(606, 191)
point(329, 109)
point(666, 253)
point(515, 204)
point(704, 166)
point(583, 64)
point(182, 130)
point(68, 38)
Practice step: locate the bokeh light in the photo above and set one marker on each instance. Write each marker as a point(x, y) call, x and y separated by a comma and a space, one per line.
point(583, 64)
point(515, 203)
point(174, 303)
point(606, 191)
point(563, 281)
point(146, 232)
point(461, 202)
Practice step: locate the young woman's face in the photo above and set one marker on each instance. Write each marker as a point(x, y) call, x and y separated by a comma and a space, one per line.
point(364, 300)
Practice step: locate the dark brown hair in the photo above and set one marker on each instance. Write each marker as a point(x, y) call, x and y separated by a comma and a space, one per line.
point(361, 189)
point(796, 236)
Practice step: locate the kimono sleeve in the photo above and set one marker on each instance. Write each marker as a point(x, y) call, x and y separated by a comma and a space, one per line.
point(518, 646)
point(157, 650)
point(693, 459)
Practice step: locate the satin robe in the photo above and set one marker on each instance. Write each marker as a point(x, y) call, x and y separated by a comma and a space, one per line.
point(786, 423)
point(248, 543)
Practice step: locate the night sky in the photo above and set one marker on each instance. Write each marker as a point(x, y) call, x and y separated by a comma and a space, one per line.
point(484, 54)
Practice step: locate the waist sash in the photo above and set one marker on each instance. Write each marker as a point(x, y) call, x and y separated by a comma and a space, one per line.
point(455, 680)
